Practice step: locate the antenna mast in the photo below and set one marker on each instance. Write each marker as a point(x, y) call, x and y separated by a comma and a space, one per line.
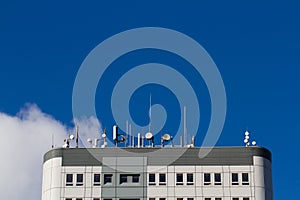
point(77, 129)
point(150, 112)
point(184, 127)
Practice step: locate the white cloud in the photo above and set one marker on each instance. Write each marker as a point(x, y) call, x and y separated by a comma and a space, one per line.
point(24, 139)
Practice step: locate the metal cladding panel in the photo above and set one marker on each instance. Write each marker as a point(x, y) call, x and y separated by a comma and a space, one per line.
point(160, 156)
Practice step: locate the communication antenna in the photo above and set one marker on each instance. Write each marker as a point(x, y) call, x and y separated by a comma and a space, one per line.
point(104, 139)
point(77, 130)
point(164, 138)
point(184, 127)
point(67, 141)
point(149, 136)
point(116, 135)
point(150, 112)
point(247, 139)
point(126, 133)
point(52, 141)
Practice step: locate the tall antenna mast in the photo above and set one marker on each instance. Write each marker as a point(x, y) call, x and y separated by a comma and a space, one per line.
point(150, 112)
point(77, 129)
point(184, 127)
point(52, 140)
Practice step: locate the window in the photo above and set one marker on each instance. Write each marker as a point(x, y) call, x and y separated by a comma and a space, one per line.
point(207, 179)
point(107, 178)
point(190, 198)
point(162, 198)
point(136, 178)
point(97, 179)
point(246, 198)
point(151, 198)
point(68, 198)
point(235, 178)
point(162, 179)
point(78, 198)
point(190, 179)
point(235, 198)
point(96, 198)
point(69, 180)
point(179, 198)
point(245, 179)
point(152, 179)
point(218, 179)
point(207, 198)
point(79, 180)
point(123, 178)
point(179, 179)
point(218, 198)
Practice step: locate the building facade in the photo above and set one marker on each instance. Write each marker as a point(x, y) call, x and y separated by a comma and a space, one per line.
point(225, 173)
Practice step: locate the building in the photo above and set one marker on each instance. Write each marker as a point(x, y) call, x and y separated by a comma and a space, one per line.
point(170, 173)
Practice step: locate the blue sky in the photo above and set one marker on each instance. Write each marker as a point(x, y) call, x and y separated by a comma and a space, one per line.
point(255, 45)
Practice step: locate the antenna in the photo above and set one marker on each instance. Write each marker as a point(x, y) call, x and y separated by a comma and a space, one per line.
point(67, 141)
point(52, 140)
point(149, 136)
point(150, 112)
point(104, 139)
point(164, 138)
point(247, 139)
point(77, 130)
point(184, 127)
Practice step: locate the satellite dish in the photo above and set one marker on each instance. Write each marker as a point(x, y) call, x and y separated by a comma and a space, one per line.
point(149, 136)
point(246, 141)
point(104, 135)
point(254, 143)
point(247, 137)
point(166, 137)
point(89, 140)
point(72, 137)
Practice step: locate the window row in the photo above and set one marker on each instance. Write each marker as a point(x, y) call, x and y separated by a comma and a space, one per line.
point(107, 179)
point(181, 179)
point(209, 179)
point(189, 198)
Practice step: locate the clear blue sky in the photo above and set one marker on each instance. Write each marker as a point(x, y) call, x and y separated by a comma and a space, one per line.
point(255, 45)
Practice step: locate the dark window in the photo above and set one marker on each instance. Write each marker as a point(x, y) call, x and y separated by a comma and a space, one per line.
point(217, 179)
point(107, 178)
point(79, 179)
point(151, 179)
point(96, 198)
point(246, 198)
point(123, 178)
point(135, 178)
point(207, 179)
point(235, 178)
point(190, 198)
point(78, 198)
point(69, 179)
point(179, 198)
point(97, 179)
point(68, 199)
point(179, 179)
point(162, 179)
point(162, 198)
point(235, 198)
point(245, 179)
point(190, 179)
point(207, 199)
point(218, 198)
point(151, 198)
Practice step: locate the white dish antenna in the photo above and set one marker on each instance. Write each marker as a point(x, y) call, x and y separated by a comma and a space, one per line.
point(149, 136)
point(166, 137)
